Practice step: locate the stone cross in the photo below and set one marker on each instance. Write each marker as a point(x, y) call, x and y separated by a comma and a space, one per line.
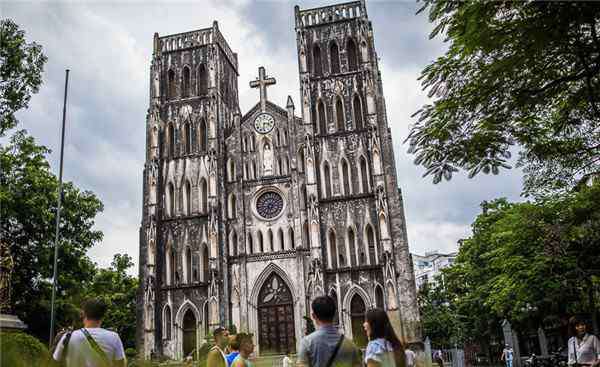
point(262, 82)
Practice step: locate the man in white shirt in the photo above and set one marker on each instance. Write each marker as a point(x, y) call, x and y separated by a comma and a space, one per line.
point(410, 357)
point(91, 346)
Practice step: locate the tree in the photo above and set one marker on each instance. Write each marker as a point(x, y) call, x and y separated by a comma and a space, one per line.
point(118, 290)
point(439, 320)
point(20, 72)
point(28, 197)
point(520, 75)
point(530, 256)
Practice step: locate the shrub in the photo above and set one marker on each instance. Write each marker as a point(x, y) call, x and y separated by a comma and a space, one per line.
point(18, 349)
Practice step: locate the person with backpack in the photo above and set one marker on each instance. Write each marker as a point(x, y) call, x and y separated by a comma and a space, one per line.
point(326, 347)
point(91, 346)
point(384, 348)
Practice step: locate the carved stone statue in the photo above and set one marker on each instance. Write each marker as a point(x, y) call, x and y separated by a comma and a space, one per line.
point(313, 208)
point(6, 269)
point(156, 81)
point(267, 159)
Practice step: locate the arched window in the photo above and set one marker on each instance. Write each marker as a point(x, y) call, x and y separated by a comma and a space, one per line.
point(171, 137)
point(169, 265)
point(364, 174)
point(231, 170)
point(357, 318)
point(253, 142)
point(270, 238)
point(379, 297)
point(188, 266)
point(342, 253)
point(306, 238)
point(301, 160)
point(195, 265)
point(174, 273)
point(333, 260)
point(358, 114)
point(233, 243)
point(203, 138)
point(261, 242)
point(171, 84)
point(280, 166)
point(339, 115)
point(346, 177)
point(202, 80)
point(317, 65)
point(246, 175)
point(352, 246)
point(327, 179)
point(232, 206)
point(254, 172)
point(205, 266)
point(188, 138)
point(188, 198)
point(186, 82)
point(292, 244)
point(171, 199)
point(336, 318)
point(250, 248)
point(281, 240)
point(203, 196)
point(352, 55)
point(322, 118)
point(245, 143)
point(335, 58)
point(371, 244)
point(167, 326)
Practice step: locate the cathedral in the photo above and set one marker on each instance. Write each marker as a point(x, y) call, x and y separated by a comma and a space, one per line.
point(249, 216)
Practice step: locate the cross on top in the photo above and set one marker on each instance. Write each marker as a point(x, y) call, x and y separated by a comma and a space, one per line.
point(262, 82)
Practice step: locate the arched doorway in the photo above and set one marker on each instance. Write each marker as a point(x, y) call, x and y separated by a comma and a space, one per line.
point(357, 318)
point(275, 317)
point(189, 333)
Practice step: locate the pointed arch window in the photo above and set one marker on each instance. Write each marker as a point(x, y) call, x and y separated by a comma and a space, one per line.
point(270, 238)
point(322, 118)
point(333, 259)
point(358, 114)
point(306, 238)
point(174, 273)
point(357, 318)
point(352, 55)
point(169, 265)
point(317, 64)
point(301, 160)
point(171, 84)
point(231, 170)
point(205, 266)
point(346, 177)
point(171, 137)
point(188, 266)
point(336, 318)
point(352, 246)
point(232, 206)
point(339, 114)
point(202, 80)
point(203, 138)
point(167, 326)
point(171, 199)
point(291, 241)
point(371, 244)
point(327, 179)
point(203, 196)
point(335, 58)
point(261, 242)
point(188, 138)
point(188, 197)
point(186, 82)
point(250, 243)
point(281, 239)
point(233, 243)
point(379, 297)
point(364, 174)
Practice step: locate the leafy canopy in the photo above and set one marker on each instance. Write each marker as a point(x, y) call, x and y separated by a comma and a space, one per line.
point(524, 74)
point(20, 72)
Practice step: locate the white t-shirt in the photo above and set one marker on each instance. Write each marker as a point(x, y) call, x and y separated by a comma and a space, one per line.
point(80, 352)
point(410, 358)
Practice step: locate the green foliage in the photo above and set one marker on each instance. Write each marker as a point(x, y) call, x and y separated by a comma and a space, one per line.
point(440, 322)
point(529, 261)
point(515, 73)
point(22, 350)
point(118, 290)
point(28, 196)
point(20, 72)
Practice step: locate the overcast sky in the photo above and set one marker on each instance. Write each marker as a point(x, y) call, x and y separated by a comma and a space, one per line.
point(108, 46)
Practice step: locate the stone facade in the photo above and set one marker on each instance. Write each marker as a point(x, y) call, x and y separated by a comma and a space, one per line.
point(247, 218)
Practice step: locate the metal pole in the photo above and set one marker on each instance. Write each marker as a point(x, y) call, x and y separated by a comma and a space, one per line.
point(60, 174)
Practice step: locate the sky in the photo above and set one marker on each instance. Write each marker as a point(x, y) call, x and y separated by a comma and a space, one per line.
point(108, 46)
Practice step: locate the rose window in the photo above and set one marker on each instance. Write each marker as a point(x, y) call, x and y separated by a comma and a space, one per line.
point(269, 204)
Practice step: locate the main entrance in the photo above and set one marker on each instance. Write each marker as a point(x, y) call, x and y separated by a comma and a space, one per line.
point(275, 317)
point(189, 333)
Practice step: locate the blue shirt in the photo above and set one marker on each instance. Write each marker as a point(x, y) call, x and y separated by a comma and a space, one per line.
point(230, 357)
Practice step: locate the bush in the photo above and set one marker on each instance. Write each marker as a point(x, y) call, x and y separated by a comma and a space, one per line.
point(18, 349)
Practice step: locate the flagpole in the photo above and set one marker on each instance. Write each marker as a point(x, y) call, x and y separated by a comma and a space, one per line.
point(60, 175)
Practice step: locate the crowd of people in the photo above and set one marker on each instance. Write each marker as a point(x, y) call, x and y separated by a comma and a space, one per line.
point(94, 346)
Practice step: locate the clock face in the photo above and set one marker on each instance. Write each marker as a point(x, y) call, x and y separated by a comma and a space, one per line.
point(264, 123)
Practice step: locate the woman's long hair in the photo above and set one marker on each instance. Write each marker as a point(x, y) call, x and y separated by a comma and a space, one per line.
point(381, 327)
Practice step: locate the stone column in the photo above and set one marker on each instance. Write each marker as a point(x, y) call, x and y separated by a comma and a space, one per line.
point(543, 342)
